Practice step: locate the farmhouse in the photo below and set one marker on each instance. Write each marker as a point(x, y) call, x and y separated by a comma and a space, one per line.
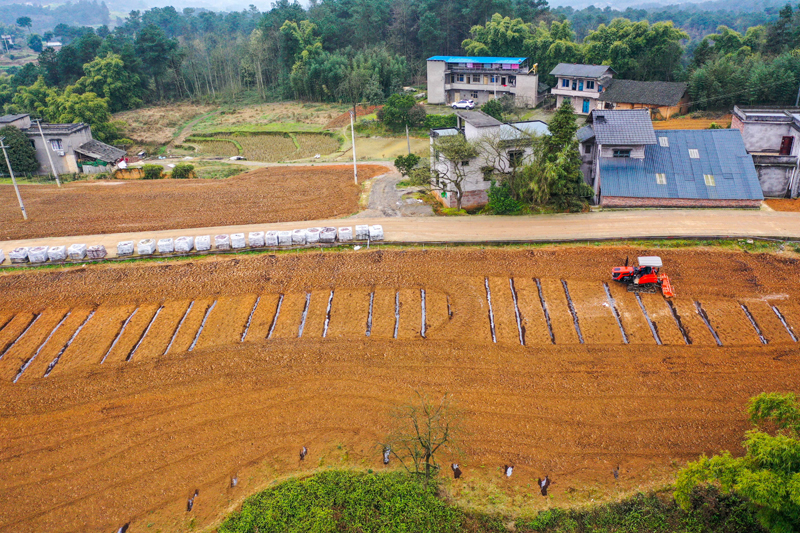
point(663, 99)
point(771, 135)
point(452, 78)
point(633, 166)
point(580, 85)
point(71, 146)
point(502, 147)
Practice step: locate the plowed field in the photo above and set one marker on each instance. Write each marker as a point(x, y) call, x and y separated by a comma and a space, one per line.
point(271, 194)
point(123, 388)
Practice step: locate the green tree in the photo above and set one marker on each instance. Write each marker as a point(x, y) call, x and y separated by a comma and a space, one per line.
point(494, 109)
point(21, 153)
point(35, 43)
point(451, 164)
point(768, 474)
point(108, 78)
point(33, 99)
point(72, 106)
point(563, 127)
point(500, 36)
point(402, 110)
point(25, 22)
point(406, 163)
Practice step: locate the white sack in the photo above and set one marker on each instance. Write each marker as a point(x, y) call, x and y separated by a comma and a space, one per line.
point(166, 246)
point(256, 239)
point(184, 244)
point(222, 242)
point(345, 234)
point(146, 247)
point(57, 253)
point(202, 243)
point(327, 235)
point(376, 232)
point(37, 254)
point(123, 248)
point(97, 251)
point(237, 240)
point(284, 238)
point(299, 236)
point(362, 232)
point(312, 235)
point(271, 238)
point(19, 255)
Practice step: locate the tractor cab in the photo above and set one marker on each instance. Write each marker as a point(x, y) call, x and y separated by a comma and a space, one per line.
point(645, 277)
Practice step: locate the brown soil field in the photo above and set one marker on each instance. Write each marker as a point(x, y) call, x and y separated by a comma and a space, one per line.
point(264, 195)
point(784, 204)
point(159, 124)
point(122, 429)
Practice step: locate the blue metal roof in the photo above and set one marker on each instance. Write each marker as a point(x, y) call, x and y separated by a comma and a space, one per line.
point(722, 154)
point(464, 59)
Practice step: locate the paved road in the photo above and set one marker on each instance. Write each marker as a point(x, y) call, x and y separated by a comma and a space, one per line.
point(541, 228)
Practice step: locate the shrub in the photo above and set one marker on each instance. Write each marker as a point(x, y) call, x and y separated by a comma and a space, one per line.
point(440, 121)
point(493, 108)
point(153, 172)
point(183, 171)
point(21, 153)
point(501, 202)
point(406, 163)
point(122, 143)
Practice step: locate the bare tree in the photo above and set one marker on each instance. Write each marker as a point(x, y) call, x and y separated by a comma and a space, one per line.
point(351, 89)
point(514, 160)
point(421, 429)
point(451, 159)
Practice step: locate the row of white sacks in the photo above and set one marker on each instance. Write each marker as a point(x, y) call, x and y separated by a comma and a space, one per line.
point(255, 239)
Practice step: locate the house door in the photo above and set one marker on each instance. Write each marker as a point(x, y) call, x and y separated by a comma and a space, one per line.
point(586, 105)
point(503, 81)
point(786, 145)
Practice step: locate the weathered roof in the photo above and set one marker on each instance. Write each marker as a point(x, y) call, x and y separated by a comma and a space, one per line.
point(479, 59)
point(579, 70)
point(585, 133)
point(443, 132)
point(722, 155)
point(531, 127)
point(661, 93)
point(622, 127)
point(6, 119)
point(99, 150)
point(57, 129)
point(478, 119)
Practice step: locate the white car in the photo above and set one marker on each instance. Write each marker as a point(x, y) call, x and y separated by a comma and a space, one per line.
point(464, 104)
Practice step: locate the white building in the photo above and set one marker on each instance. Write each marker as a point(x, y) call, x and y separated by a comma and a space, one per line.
point(511, 146)
point(453, 78)
point(581, 85)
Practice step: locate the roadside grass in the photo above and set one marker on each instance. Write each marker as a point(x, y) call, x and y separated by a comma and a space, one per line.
point(363, 502)
point(218, 171)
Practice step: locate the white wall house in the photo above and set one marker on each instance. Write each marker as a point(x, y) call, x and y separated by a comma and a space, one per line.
point(581, 85)
point(453, 78)
point(512, 147)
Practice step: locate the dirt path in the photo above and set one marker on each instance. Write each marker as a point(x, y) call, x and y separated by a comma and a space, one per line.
point(187, 129)
point(386, 200)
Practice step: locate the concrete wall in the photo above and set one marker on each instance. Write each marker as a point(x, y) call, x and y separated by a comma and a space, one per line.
point(774, 180)
point(587, 162)
point(66, 164)
point(637, 152)
point(620, 201)
point(436, 93)
point(527, 90)
point(765, 136)
point(577, 103)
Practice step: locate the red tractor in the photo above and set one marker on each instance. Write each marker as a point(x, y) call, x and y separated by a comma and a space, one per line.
point(645, 277)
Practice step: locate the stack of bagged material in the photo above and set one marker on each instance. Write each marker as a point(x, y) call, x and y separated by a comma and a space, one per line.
point(76, 252)
point(124, 248)
point(327, 235)
point(222, 242)
point(299, 236)
point(271, 238)
point(237, 240)
point(202, 243)
point(97, 251)
point(184, 244)
point(19, 255)
point(284, 238)
point(376, 232)
point(312, 235)
point(37, 254)
point(57, 253)
point(345, 234)
point(2, 257)
point(362, 232)
point(256, 239)
point(146, 247)
point(166, 246)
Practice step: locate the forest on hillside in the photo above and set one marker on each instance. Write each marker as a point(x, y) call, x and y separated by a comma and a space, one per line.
point(366, 50)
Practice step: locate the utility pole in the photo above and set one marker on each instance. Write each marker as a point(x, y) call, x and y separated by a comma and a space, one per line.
point(13, 180)
point(797, 101)
point(47, 151)
point(353, 134)
point(408, 141)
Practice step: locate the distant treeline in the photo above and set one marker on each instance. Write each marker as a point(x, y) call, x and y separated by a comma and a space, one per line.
point(83, 13)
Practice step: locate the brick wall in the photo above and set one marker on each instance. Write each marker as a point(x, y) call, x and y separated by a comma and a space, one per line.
point(620, 201)
point(736, 123)
point(470, 200)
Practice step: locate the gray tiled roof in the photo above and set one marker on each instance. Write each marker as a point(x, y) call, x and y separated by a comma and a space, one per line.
point(722, 154)
point(57, 129)
point(629, 127)
point(661, 93)
point(578, 70)
point(99, 150)
point(585, 133)
point(478, 119)
point(5, 119)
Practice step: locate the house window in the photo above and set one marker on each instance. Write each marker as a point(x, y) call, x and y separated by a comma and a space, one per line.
point(621, 153)
point(515, 158)
point(709, 179)
point(587, 149)
point(474, 94)
point(565, 83)
point(663, 141)
point(661, 179)
point(693, 153)
point(55, 144)
point(476, 78)
point(580, 85)
point(494, 79)
point(461, 77)
point(589, 84)
point(465, 163)
point(574, 85)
